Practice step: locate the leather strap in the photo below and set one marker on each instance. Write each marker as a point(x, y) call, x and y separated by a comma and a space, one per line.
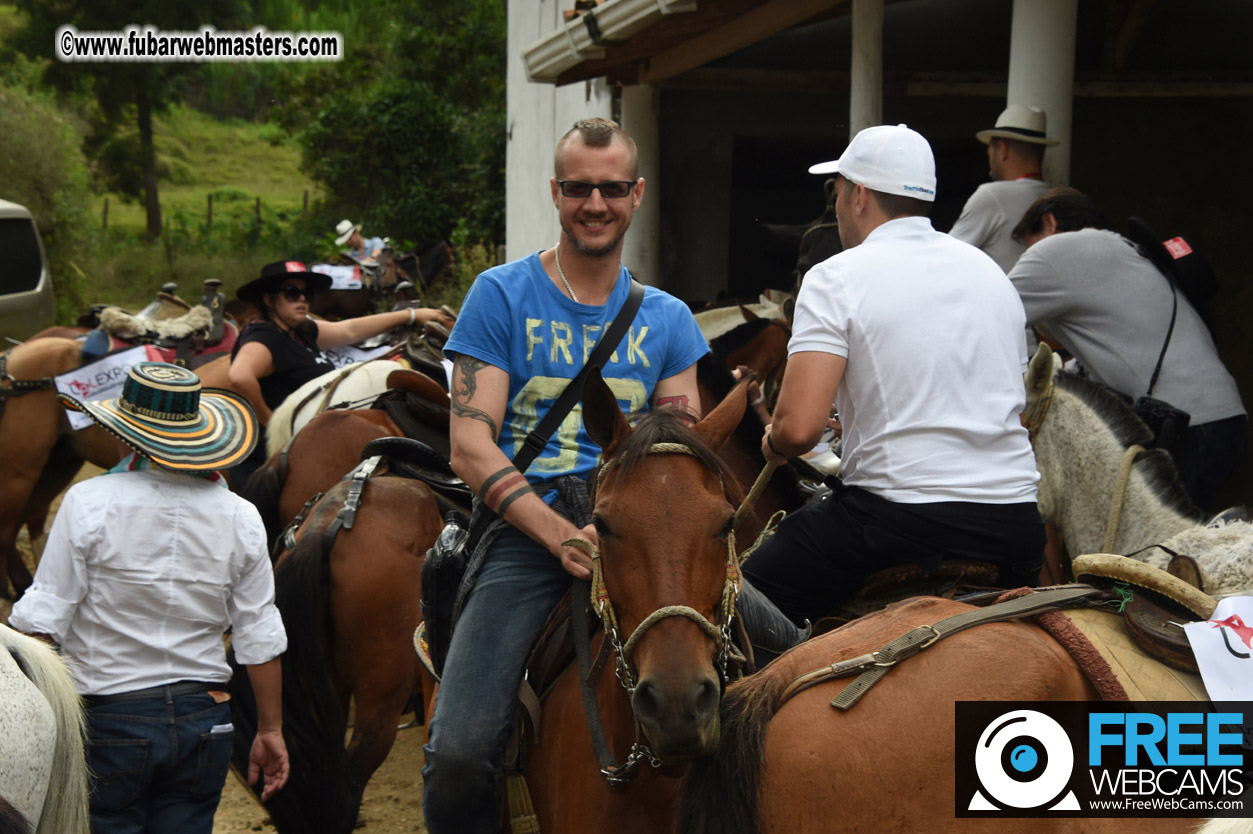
point(869, 668)
point(538, 438)
point(579, 597)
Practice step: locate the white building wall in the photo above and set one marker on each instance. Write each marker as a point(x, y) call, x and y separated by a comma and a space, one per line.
point(539, 114)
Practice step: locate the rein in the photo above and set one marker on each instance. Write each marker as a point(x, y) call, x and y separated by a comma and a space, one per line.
point(720, 632)
point(13, 387)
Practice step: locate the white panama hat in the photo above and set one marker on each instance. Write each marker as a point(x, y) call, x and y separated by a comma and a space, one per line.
point(1021, 122)
point(344, 229)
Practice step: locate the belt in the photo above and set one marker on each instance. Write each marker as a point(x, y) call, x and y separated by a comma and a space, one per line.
point(163, 692)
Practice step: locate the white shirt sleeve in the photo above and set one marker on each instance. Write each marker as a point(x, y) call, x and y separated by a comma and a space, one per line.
point(258, 634)
point(61, 578)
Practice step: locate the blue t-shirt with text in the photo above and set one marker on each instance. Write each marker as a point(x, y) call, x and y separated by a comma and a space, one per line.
point(516, 319)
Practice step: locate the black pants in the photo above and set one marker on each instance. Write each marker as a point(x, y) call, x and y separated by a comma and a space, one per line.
point(1207, 456)
point(822, 553)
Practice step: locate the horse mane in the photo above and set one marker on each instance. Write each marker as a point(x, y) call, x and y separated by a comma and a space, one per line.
point(669, 425)
point(719, 793)
point(738, 336)
point(1155, 465)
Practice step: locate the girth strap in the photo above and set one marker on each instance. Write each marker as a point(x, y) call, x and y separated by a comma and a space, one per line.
point(869, 668)
point(347, 513)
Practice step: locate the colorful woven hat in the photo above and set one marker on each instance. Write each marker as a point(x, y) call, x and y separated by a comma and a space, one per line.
point(165, 415)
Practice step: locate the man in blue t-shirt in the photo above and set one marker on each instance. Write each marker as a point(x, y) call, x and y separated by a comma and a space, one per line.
point(525, 330)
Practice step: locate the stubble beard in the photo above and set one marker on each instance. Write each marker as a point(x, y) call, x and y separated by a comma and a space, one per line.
point(582, 248)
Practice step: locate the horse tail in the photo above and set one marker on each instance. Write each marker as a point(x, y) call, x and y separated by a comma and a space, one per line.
point(65, 809)
point(318, 796)
point(264, 490)
point(719, 794)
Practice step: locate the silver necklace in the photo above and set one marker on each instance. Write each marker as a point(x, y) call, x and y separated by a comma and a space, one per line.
point(561, 274)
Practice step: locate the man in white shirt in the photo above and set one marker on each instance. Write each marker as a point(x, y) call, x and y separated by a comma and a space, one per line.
point(1015, 159)
point(145, 569)
point(360, 248)
point(918, 339)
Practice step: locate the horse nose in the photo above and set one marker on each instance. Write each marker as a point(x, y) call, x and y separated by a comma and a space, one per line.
point(693, 702)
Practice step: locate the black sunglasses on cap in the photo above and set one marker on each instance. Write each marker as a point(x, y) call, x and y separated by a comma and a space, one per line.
point(294, 293)
point(579, 190)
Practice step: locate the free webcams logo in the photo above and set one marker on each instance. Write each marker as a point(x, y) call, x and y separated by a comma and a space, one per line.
point(1074, 759)
point(1024, 761)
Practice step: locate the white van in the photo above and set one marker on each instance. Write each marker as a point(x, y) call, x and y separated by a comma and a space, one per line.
point(25, 288)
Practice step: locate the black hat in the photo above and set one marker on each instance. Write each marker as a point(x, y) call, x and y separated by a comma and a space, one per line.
point(273, 275)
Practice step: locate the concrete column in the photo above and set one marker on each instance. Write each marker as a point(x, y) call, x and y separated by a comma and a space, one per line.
point(865, 106)
point(1042, 72)
point(642, 251)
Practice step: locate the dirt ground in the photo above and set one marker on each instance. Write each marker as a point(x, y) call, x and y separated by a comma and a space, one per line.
point(393, 799)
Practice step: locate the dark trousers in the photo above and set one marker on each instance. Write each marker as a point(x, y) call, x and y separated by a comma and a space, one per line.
point(158, 765)
point(1208, 455)
point(822, 553)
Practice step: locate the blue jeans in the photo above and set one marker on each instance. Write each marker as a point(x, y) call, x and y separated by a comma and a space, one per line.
point(157, 765)
point(516, 590)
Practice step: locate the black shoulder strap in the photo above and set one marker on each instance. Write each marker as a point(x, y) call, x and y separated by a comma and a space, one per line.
point(538, 439)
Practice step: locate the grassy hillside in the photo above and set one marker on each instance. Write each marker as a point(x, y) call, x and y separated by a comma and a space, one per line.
point(235, 161)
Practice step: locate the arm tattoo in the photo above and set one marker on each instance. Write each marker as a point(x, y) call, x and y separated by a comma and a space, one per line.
point(464, 386)
point(502, 488)
point(679, 401)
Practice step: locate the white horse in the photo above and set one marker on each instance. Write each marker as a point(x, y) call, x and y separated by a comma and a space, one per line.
point(1082, 434)
point(722, 320)
point(43, 769)
point(354, 386)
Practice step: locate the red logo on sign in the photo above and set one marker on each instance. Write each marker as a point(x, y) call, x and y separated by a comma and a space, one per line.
point(1177, 247)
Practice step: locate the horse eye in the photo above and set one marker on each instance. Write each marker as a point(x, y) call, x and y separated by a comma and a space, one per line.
point(602, 527)
point(727, 528)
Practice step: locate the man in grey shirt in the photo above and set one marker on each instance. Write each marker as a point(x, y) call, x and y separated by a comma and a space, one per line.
point(1097, 295)
point(1015, 158)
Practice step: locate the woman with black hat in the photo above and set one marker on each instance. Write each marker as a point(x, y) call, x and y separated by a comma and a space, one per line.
point(283, 349)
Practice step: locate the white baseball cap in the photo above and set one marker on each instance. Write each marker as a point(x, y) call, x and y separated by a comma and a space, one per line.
point(893, 160)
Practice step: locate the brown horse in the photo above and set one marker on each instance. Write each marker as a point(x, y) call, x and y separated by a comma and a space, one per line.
point(760, 344)
point(663, 484)
point(313, 462)
point(350, 609)
point(886, 764)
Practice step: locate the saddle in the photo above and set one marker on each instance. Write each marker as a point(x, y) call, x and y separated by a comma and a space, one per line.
point(1158, 601)
point(199, 334)
point(420, 407)
point(409, 458)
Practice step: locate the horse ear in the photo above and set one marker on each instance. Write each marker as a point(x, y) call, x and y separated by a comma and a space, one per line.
point(748, 314)
point(602, 417)
point(1039, 373)
point(718, 424)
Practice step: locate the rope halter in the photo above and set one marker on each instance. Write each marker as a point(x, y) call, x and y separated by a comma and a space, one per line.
point(719, 632)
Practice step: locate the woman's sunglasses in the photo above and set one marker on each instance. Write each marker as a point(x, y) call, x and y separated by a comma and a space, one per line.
point(294, 293)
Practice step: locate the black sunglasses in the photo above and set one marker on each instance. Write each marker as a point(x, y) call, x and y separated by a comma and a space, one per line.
point(293, 293)
point(579, 190)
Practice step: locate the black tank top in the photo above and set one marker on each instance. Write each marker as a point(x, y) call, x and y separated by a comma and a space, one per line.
point(296, 357)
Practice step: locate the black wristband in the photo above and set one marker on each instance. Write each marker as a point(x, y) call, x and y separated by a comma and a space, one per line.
point(770, 443)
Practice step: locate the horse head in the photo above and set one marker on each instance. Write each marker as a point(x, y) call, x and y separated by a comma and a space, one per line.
point(1084, 435)
point(666, 574)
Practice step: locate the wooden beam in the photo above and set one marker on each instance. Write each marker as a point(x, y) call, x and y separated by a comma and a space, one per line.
point(968, 85)
point(748, 29)
point(1124, 21)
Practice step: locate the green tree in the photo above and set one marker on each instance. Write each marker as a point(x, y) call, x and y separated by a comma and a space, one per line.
point(123, 90)
point(408, 133)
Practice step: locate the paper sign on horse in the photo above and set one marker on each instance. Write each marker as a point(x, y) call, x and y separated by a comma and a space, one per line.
point(101, 380)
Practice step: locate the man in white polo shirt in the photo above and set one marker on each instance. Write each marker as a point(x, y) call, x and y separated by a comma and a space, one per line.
point(918, 339)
